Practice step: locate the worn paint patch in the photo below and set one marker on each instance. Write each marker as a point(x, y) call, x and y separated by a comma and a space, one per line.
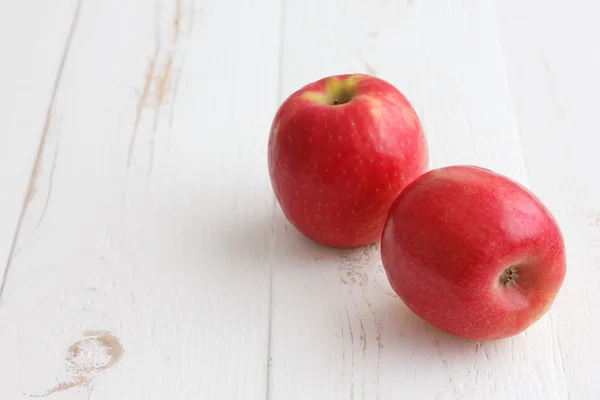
point(163, 74)
point(86, 358)
point(368, 67)
point(355, 265)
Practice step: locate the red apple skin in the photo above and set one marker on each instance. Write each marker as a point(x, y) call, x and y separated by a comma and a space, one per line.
point(336, 168)
point(447, 240)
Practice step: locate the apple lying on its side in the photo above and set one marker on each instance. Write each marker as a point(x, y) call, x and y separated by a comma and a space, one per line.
point(473, 252)
point(340, 150)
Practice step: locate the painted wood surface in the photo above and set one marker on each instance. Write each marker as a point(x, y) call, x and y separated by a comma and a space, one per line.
point(150, 259)
point(142, 267)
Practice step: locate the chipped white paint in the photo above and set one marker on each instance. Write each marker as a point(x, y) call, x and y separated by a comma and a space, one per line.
point(151, 260)
point(85, 359)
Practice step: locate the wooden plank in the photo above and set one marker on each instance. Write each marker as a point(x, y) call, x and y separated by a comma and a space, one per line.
point(552, 64)
point(339, 332)
point(32, 50)
point(142, 265)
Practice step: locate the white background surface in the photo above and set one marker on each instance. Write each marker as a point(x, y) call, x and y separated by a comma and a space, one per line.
point(143, 255)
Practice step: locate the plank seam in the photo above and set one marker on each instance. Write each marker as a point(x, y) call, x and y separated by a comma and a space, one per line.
point(42, 141)
point(274, 205)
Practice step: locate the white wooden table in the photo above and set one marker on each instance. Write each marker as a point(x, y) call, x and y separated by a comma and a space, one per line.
point(143, 255)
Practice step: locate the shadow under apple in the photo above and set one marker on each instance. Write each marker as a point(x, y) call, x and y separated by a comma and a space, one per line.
point(257, 240)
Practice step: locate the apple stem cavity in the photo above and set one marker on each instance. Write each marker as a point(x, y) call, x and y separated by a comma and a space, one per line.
point(509, 276)
point(341, 95)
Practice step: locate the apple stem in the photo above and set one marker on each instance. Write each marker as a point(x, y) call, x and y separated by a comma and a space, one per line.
point(336, 102)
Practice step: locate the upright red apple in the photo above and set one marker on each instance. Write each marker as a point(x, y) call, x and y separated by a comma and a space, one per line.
point(340, 150)
point(473, 252)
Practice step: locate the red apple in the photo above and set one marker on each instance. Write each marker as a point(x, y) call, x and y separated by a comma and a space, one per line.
point(340, 150)
point(473, 252)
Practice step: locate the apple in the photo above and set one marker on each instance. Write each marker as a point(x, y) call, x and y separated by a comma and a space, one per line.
point(473, 252)
point(340, 150)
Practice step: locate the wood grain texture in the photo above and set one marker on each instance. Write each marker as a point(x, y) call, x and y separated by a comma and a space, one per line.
point(554, 80)
point(32, 49)
point(142, 265)
point(338, 330)
point(151, 260)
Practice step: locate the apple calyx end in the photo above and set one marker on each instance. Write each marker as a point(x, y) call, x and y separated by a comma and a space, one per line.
point(509, 276)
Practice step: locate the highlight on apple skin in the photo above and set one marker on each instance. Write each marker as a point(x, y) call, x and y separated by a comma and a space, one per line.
point(473, 252)
point(340, 150)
